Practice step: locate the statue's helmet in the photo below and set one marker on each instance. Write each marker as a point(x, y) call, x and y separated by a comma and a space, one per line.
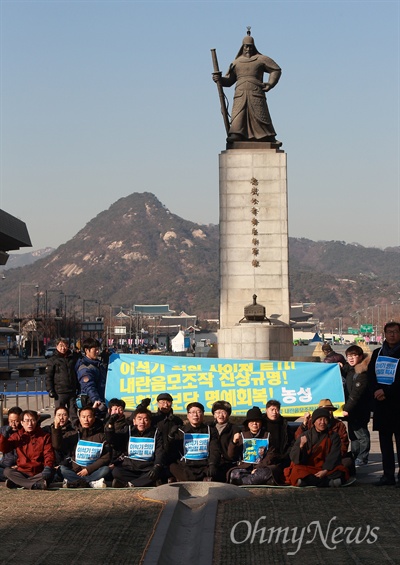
point(248, 40)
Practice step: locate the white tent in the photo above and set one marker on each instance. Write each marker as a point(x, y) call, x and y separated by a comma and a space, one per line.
point(178, 342)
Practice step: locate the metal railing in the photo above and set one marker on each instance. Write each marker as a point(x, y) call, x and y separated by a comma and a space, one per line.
point(31, 394)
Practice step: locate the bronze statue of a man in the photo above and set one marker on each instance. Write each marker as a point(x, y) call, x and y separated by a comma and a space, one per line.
point(251, 120)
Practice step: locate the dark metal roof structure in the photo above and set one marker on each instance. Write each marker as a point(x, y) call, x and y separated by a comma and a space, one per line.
point(13, 235)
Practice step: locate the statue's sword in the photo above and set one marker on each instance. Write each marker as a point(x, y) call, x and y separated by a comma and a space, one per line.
point(224, 110)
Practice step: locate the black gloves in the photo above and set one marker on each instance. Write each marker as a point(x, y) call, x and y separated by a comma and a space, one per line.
point(113, 418)
point(154, 473)
point(52, 394)
point(173, 431)
point(145, 402)
point(212, 471)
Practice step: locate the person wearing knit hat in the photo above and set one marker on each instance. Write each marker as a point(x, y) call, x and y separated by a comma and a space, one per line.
point(316, 456)
point(335, 425)
point(198, 446)
point(221, 410)
point(251, 449)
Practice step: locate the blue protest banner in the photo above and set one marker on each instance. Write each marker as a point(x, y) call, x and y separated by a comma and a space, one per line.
point(244, 383)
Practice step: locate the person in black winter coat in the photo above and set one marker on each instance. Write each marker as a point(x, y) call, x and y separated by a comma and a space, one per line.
point(141, 465)
point(358, 403)
point(198, 445)
point(90, 454)
point(166, 422)
point(116, 428)
point(61, 381)
point(222, 410)
point(384, 375)
point(252, 451)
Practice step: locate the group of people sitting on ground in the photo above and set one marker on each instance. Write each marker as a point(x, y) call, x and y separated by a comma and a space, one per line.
point(103, 444)
point(147, 449)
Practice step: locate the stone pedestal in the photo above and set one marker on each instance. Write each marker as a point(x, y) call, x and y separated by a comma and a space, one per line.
point(256, 341)
point(254, 250)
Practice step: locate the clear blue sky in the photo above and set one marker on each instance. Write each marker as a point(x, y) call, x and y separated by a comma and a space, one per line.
point(102, 99)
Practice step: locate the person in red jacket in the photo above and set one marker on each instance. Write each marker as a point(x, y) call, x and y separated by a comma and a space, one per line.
point(35, 455)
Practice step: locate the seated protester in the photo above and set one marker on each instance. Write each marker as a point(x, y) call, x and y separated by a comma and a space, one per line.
point(61, 425)
point(35, 455)
point(281, 439)
point(89, 451)
point(164, 419)
point(14, 424)
point(316, 456)
point(226, 430)
point(92, 375)
point(251, 449)
point(116, 428)
point(142, 463)
point(358, 403)
point(335, 425)
point(198, 446)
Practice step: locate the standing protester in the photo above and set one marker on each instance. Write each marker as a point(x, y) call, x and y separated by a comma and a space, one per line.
point(384, 375)
point(332, 356)
point(92, 375)
point(35, 455)
point(358, 404)
point(61, 381)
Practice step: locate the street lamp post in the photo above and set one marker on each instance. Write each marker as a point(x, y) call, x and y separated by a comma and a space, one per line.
point(340, 327)
point(46, 309)
point(65, 313)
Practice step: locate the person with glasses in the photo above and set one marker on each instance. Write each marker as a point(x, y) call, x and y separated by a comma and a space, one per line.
point(358, 403)
point(384, 375)
point(221, 410)
point(35, 454)
point(198, 446)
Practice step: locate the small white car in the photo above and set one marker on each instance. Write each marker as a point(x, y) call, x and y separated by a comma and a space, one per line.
point(49, 352)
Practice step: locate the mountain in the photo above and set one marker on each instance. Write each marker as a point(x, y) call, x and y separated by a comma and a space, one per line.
point(138, 252)
point(23, 259)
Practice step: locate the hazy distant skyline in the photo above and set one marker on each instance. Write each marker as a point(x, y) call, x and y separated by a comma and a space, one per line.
point(102, 99)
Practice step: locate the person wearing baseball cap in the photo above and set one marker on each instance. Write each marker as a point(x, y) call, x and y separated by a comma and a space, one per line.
point(316, 456)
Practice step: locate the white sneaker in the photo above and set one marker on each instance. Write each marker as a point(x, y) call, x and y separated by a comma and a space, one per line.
point(98, 484)
point(65, 484)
